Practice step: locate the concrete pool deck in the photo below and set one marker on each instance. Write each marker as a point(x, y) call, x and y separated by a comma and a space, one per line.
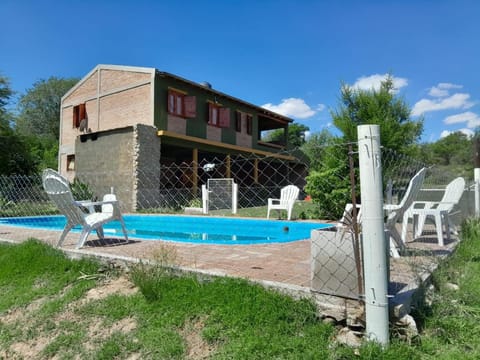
point(280, 265)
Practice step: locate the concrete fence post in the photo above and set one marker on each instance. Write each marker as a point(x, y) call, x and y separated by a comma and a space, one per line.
point(476, 175)
point(373, 235)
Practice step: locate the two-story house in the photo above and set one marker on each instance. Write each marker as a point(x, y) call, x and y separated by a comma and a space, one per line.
point(121, 120)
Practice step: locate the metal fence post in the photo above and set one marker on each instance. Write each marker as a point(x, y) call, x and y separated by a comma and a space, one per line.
point(374, 244)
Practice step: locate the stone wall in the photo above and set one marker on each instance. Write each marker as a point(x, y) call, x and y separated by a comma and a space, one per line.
point(147, 167)
point(104, 160)
point(126, 159)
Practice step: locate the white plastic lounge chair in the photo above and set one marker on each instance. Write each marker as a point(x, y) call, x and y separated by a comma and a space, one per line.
point(288, 195)
point(419, 211)
point(347, 220)
point(58, 190)
point(396, 212)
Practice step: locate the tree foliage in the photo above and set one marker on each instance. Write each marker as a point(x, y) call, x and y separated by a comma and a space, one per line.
point(329, 182)
point(315, 147)
point(14, 154)
point(39, 108)
point(296, 135)
point(453, 152)
point(377, 107)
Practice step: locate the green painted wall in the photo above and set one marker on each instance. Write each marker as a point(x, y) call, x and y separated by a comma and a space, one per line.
point(198, 126)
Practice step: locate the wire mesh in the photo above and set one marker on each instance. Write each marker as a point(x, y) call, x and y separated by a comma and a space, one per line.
point(329, 263)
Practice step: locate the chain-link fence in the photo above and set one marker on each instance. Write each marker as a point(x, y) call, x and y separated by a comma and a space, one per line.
point(333, 268)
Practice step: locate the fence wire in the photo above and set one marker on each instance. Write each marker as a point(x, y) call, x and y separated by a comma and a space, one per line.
point(330, 263)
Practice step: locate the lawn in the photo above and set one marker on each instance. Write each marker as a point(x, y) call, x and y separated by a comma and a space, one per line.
point(54, 307)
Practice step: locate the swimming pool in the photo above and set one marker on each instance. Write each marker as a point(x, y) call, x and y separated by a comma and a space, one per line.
point(190, 229)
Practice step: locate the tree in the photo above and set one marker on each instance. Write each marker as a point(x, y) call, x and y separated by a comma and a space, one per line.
point(314, 147)
point(296, 135)
point(453, 153)
point(329, 184)
point(14, 155)
point(39, 108)
point(379, 107)
point(453, 149)
point(38, 121)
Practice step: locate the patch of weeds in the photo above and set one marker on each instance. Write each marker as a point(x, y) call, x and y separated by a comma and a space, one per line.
point(67, 344)
point(147, 276)
point(161, 343)
point(117, 346)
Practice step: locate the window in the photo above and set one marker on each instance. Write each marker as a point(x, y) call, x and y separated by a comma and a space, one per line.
point(70, 162)
point(238, 121)
point(213, 114)
point(218, 116)
point(249, 124)
point(79, 113)
point(180, 104)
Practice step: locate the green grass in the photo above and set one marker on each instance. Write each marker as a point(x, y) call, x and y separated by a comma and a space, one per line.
point(231, 318)
point(301, 211)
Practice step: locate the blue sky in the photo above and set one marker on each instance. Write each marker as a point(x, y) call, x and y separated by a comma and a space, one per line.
point(289, 56)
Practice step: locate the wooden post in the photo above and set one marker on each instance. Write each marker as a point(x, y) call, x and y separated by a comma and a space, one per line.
point(195, 171)
point(228, 172)
point(255, 171)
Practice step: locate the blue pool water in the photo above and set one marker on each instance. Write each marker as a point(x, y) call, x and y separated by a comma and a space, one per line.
point(191, 229)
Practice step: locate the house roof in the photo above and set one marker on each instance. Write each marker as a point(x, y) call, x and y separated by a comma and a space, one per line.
point(154, 72)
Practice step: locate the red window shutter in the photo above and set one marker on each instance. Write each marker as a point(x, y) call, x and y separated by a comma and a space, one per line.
point(83, 113)
point(224, 115)
point(190, 104)
point(76, 120)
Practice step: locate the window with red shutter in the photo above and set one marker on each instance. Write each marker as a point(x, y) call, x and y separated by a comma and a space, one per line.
point(171, 102)
point(79, 113)
point(213, 114)
point(181, 105)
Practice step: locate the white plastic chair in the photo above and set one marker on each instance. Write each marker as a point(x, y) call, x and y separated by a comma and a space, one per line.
point(288, 195)
point(419, 211)
point(58, 190)
point(396, 212)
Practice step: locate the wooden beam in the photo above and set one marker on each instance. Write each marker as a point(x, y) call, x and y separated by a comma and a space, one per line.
point(228, 173)
point(195, 170)
point(219, 144)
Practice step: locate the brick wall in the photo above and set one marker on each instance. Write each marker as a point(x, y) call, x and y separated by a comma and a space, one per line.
point(128, 107)
point(121, 98)
point(115, 79)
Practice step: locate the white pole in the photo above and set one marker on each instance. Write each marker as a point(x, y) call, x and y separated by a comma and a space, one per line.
point(374, 244)
point(476, 176)
point(234, 198)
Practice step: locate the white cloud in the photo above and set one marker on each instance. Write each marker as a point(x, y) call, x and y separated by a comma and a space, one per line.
point(321, 107)
point(293, 107)
point(374, 81)
point(442, 89)
point(472, 119)
point(456, 101)
point(467, 132)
